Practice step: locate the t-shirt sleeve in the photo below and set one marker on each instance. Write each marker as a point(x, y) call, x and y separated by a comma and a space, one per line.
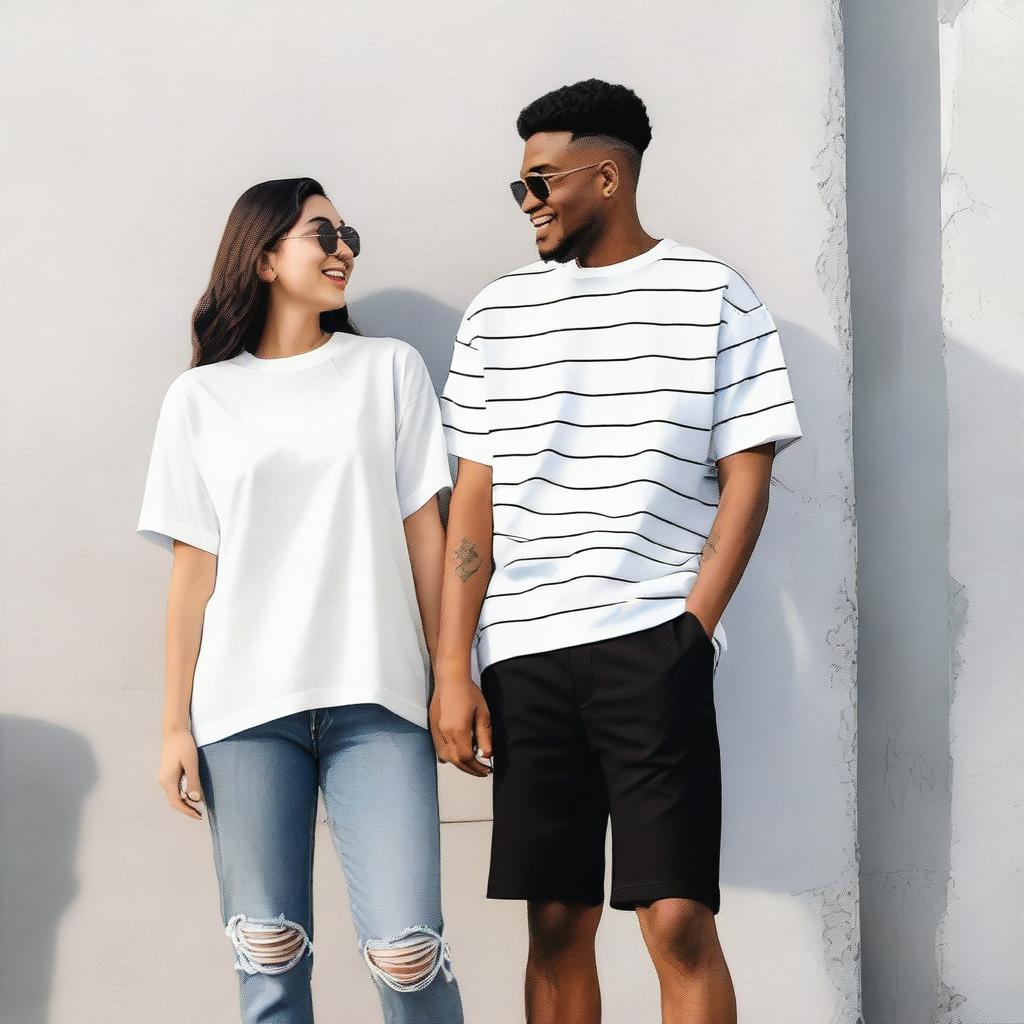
point(421, 461)
point(753, 399)
point(176, 504)
point(463, 406)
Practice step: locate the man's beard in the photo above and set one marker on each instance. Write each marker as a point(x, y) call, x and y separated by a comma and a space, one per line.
point(574, 245)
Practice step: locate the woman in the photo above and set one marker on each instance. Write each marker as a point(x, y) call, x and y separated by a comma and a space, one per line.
point(295, 465)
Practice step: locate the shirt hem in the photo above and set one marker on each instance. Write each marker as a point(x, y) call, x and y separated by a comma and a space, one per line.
point(417, 499)
point(227, 725)
point(164, 533)
point(554, 633)
point(463, 450)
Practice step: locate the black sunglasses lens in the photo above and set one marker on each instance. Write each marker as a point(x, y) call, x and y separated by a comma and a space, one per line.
point(538, 186)
point(518, 191)
point(327, 236)
point(350, 237)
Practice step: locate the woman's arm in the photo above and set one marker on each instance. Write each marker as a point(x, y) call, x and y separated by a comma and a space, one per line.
point(744, 481)
point(424, 536)
point(193, 575)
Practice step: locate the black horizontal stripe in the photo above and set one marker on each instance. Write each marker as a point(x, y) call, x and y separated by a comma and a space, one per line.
point(592, 327)
point(587, 608)
point(753, 412)
point(606, 455)
point(526, 273)
point(603, 515)
point(584, 533)
point(753, 376)
point(603, 487)
point(596, 547)
point(694, 259)
point(460, 373)
point(558, 583)
point(570, 423)
point(595, 295)
point(747, 341)
point(600, 394)
point(601, 359)
point(460, 430)
point(691, 259)
point(462, 405)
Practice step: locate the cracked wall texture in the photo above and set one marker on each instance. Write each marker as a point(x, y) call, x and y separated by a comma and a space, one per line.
point(980, 942)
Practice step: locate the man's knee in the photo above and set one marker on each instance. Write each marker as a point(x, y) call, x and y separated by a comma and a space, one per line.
point(682, 932)
point(558, 928)
point(409, 961)
point(266, 945)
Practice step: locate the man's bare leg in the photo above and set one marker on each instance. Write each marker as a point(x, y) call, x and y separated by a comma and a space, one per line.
point(696, 986)
point(561, 969)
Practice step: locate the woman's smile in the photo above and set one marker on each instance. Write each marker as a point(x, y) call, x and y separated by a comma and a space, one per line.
point(336, 275)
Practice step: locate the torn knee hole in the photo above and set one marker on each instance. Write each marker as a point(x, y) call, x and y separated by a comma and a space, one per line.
point(266, 945)
point(410, 961)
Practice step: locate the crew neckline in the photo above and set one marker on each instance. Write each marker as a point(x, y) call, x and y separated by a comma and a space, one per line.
point(286, 364)
point(656, 251)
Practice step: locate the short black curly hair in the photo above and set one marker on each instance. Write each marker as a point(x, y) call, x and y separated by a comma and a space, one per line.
point(590, 107)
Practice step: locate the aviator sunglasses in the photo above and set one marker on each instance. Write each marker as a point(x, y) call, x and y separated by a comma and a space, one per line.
point(327, 235)
point(538, 183)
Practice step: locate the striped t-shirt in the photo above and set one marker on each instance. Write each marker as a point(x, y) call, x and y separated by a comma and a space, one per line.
point(601, 398)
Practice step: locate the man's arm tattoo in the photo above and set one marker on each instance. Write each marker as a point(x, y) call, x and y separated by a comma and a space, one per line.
point(709, 548)
point(468, 559)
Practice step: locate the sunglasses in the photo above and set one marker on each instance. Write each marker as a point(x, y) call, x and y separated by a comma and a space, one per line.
point(537, 184)
point(327, 235)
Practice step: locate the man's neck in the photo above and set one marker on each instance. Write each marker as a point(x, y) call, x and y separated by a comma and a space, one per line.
point(616, 245)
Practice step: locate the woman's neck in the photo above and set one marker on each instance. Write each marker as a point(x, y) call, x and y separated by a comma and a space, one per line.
point(290, 334)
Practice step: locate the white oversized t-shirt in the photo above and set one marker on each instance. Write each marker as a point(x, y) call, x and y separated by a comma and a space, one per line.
point(601, 398)
point(297, 472)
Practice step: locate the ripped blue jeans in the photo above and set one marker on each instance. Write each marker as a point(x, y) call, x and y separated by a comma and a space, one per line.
point(378, 774)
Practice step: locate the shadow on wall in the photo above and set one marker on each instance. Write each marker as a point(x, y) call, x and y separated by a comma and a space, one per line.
point(46, 773)
point(428, 325)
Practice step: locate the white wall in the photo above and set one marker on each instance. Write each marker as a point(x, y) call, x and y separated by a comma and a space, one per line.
point(980, 944)
point(131, 131)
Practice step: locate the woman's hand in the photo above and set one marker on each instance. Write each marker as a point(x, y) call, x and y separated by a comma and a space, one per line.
point(178, 759)
point(460, 725)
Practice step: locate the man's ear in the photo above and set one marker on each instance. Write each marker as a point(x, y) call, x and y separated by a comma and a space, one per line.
point(611, 175)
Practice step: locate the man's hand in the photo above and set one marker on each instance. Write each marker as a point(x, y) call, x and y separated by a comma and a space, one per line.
point(461, 724)
point(703, 618)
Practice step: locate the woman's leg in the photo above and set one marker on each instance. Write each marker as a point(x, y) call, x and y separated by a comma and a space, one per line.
point(378, 773)
point(260, 790)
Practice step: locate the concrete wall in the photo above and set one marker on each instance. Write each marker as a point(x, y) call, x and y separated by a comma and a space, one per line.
point(132, 129)
point(900, 440)
point(935, 214)
point(980, 944)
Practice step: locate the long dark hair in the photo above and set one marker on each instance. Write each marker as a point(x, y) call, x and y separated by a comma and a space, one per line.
point(233, 310)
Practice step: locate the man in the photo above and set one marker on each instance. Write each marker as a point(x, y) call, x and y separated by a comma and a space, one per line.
point(615, 407)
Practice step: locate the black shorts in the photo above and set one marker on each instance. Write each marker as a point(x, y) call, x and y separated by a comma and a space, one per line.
point(626, 726)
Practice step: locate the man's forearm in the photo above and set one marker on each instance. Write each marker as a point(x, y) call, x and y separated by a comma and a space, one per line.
point(467, 572)
point(742, 508)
